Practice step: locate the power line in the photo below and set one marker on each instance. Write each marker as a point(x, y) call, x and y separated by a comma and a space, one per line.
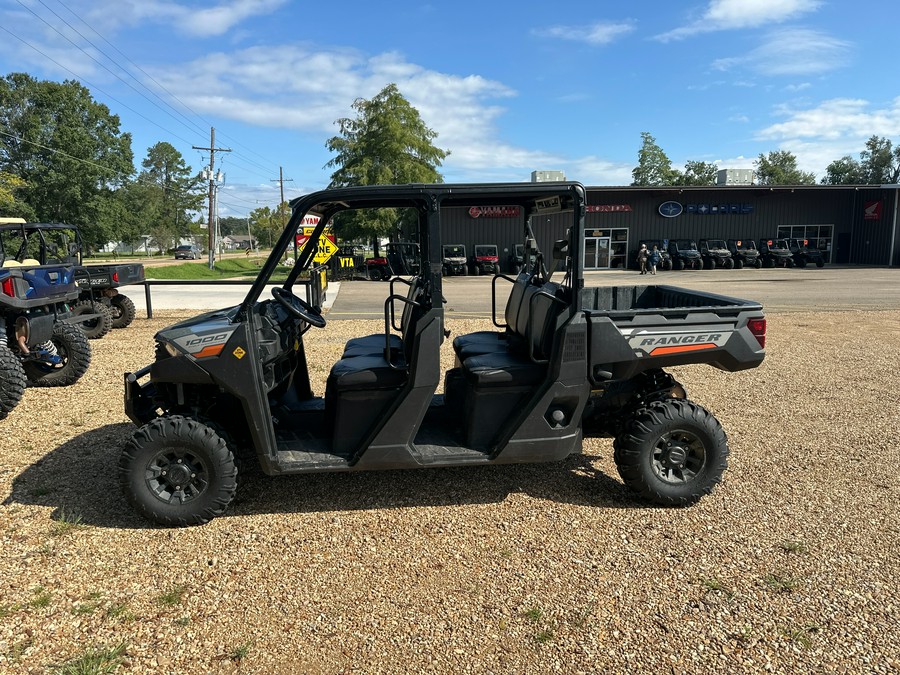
point(152, 79)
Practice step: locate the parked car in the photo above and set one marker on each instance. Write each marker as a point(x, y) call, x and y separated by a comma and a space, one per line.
point(744, 253)
point(803, 255)
point(188, 252)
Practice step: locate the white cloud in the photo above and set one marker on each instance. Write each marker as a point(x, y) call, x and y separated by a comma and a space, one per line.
point(735, 14)
point(185, 18)
point(789, 52)
point(817, 136)
point(600, 33)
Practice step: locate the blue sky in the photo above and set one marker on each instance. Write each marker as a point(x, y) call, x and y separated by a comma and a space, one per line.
point(510, 87)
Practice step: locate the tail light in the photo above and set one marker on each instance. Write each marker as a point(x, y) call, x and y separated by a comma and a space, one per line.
point(758, 328)
point(7, 286)
point(376, 261)
point(115, 277)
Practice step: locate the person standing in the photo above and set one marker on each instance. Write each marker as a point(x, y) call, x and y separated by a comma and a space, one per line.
point(653, 259)
point(642, 257)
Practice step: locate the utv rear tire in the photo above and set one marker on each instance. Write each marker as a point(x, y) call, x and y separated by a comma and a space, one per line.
point(820, 263)
point(177, 471)
point(94, 329)
point(758, 264)
point(123, 311)
point(679, 265)
point(738, 264)
point(12, 381)
point(73, 347)
point(800, 263)
point(667, 266)
point(728, 264)
point(672, 453)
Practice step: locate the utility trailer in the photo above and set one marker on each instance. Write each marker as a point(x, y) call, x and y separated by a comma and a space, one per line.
point(565, 361)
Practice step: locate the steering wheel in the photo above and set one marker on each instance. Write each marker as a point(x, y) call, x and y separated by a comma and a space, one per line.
point(299, 308)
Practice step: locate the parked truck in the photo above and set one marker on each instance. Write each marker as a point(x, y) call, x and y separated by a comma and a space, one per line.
point(564, 361)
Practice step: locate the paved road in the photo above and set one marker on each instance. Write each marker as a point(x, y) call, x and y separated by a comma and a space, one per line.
point(831, 288)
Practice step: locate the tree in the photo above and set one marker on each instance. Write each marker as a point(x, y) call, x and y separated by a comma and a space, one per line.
point(780, 168)
point(9, 204)
point(879, 164)
point(266, 225)
point(843, 171)
point(386, 143)
point(66, 147)
point(176, 192)
point(697, 173)
point(654, 166)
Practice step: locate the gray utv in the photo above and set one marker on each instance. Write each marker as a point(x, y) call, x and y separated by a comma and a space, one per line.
point(565, 361)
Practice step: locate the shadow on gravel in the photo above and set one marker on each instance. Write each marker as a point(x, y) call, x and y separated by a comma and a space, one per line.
point(79, 479)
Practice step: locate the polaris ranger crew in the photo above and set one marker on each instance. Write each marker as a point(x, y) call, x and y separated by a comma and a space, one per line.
point(564, 361)
point(715, 253)
point(803, 255)
point(685, 255)
point(775, 253)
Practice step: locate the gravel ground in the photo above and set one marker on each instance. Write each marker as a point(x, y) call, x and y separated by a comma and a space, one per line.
point(790, 566)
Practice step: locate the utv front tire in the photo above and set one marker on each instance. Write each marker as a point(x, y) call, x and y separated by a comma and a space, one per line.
point(12, 381)
point(123, 311)
point(94, 329)
point(73, 348)
point(672, 453)
point(177, 471)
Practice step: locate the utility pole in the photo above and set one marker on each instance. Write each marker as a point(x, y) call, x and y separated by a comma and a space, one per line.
point(280, 180)
point(212, 191)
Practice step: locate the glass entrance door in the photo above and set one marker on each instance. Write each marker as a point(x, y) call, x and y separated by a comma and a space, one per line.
point(596, 253)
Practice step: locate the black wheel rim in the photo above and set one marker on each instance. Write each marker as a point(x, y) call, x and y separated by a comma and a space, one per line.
point(678, 457)
point(176, 476)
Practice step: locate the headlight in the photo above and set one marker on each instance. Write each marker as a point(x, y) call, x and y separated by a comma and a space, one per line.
point(171, 349)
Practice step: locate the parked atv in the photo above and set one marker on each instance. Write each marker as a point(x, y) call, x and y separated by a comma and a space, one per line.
point(567, 362)
point(98, 284)
point(39, 344)
point(685, 255)
point(803, 255)
point(401, 259)
point(775, 253)
point(454, 261)
point(744, 253)
point(715, 254)
point(486, 260)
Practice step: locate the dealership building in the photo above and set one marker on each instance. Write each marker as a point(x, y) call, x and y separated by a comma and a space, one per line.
point(850, 224)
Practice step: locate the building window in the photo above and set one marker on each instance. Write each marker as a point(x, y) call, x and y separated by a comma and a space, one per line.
point(817, 236)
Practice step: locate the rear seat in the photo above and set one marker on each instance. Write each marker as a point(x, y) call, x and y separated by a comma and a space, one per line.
point(483, 342)
point(490, 387)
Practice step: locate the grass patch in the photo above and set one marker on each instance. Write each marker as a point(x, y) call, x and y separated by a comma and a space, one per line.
point(543, 637)
point(67, 522)
point(16, 651)
point(173, 596)
point(94, 661)
point(781, 584)
point(793, 546)
point(182, 621)
point(120, 611)
point(229, 268)
point(41, 597)
point(240, 653)
point(84, 608)
point(9, 610)
point(802, 636)
point(534, 614)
